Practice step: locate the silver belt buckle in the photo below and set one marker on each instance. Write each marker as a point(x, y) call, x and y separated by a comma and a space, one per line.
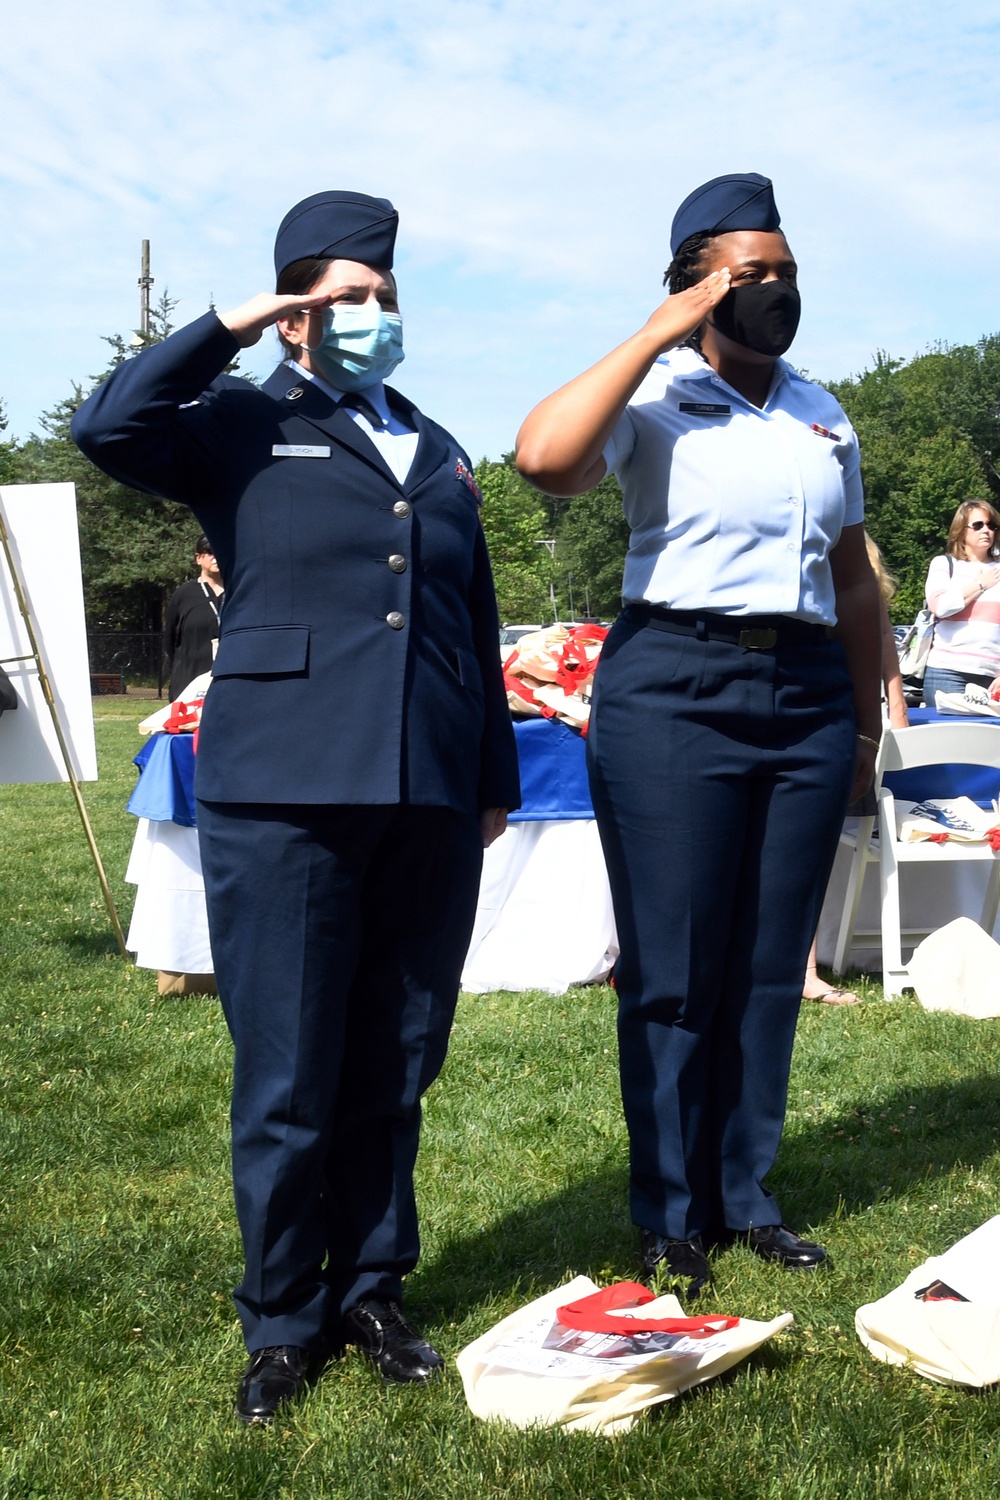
point(759, 640)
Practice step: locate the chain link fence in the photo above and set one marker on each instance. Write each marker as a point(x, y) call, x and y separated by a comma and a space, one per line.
point(122, 661)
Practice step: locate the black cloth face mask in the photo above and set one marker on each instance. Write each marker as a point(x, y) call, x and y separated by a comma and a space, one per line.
point(762, 316)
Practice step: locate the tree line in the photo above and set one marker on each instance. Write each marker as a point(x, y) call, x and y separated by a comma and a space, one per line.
point(929, 430)
point(930, 438)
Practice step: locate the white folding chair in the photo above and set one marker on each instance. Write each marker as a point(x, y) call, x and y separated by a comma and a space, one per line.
point(961, 743)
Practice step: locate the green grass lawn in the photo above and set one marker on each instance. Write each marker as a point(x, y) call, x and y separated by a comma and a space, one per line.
point(119, 1347)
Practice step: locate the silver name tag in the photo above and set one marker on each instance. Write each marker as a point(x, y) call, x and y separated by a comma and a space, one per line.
point(298, 450)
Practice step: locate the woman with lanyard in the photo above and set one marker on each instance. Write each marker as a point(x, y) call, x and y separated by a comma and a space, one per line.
point(193, 616)
point(736, 710)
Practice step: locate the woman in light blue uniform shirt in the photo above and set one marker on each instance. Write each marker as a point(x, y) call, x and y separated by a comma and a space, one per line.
point(736, 710)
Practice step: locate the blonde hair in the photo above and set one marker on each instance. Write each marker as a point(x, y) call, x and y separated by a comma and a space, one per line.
point(956, 531)
point(886, 582)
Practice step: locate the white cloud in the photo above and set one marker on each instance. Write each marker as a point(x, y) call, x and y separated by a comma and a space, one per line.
point(536, 156)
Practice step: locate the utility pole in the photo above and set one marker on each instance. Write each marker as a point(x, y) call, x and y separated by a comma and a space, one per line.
point(549, 543)
point(145, 282)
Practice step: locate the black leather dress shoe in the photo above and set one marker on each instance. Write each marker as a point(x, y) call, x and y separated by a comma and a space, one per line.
point(384, 1336)
point(779, 1243)
point(272, 1377)
point(681, 1263)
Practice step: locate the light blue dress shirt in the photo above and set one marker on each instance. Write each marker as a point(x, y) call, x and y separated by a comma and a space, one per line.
point(395, 439)
point(734, 508)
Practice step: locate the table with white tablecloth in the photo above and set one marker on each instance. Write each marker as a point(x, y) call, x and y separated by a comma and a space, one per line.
point(544, 919)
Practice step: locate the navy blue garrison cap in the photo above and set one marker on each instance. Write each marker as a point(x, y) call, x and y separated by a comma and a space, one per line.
point(743, 200)
point(343, 226)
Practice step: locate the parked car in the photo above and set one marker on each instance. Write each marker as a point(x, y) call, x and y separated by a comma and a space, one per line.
point(511, 634)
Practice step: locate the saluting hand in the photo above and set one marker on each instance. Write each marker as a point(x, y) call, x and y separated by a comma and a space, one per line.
point(683, 312)
point(249, 320)
point(561, 442)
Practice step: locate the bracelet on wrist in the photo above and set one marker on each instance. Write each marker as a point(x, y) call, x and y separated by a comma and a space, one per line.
point(868, 739)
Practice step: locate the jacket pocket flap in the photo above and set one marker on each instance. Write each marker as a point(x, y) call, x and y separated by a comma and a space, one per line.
point(261, 651)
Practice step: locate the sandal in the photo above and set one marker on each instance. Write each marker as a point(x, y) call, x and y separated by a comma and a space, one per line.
point(835, 996)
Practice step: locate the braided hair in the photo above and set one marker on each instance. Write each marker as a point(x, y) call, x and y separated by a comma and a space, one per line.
point(685, 270)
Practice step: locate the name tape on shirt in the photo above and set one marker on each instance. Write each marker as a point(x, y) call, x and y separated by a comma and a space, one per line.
point(825, 432)
point(299, 450)
point(706, 408)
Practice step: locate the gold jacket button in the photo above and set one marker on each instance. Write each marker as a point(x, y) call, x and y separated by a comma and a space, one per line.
point(395, 619)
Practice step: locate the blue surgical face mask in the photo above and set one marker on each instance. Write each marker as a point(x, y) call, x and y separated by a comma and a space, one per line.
point(360, 345)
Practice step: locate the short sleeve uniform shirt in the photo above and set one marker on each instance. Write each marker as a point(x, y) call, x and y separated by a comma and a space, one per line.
point(734, 508)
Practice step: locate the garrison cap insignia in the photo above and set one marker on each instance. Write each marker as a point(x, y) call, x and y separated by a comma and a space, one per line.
point(295, 392)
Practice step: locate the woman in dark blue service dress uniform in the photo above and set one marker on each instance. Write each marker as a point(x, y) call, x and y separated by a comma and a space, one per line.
point(736, 704)
point(356, 753)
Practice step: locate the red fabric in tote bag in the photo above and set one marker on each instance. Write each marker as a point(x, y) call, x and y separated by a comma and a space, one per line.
point(597, 1314)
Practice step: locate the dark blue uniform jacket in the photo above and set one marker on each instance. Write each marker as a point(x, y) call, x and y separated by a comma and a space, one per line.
point(321, 695)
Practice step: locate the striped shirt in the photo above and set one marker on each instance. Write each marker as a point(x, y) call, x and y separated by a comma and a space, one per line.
point(966, 636)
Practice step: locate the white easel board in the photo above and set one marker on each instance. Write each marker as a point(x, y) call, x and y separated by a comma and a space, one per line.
point(41, 521)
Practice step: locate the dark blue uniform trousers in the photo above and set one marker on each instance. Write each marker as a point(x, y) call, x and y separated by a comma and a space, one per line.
point(720, 777)
point(338, 936)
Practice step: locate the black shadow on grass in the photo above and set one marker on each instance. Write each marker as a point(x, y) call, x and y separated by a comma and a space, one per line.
point(93, 943)
point(881, 1150)
point(844, 1164)
point(583, 1229)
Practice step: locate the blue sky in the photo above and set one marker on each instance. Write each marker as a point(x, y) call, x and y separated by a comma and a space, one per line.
point(536, 155)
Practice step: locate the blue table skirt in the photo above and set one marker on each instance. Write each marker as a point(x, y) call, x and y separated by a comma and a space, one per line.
point(165, 793)
point(553, 761)
point(553, 776)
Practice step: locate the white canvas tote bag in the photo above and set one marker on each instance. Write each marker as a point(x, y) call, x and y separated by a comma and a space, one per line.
point(944, 1321)
point(534, 1370)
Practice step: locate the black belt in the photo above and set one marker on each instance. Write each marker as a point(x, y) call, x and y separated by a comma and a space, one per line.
point(753, 632)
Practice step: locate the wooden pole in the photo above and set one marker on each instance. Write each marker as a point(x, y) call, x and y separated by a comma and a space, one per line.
point(43, 677)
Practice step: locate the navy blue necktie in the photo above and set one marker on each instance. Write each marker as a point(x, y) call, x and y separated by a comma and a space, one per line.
point(358, 401)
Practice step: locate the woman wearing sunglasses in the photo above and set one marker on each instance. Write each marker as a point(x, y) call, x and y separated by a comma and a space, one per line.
point(963, 594)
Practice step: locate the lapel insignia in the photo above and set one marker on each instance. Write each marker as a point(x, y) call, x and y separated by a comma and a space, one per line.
point(468, 479)
point(825, 432)
point(295, 392)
